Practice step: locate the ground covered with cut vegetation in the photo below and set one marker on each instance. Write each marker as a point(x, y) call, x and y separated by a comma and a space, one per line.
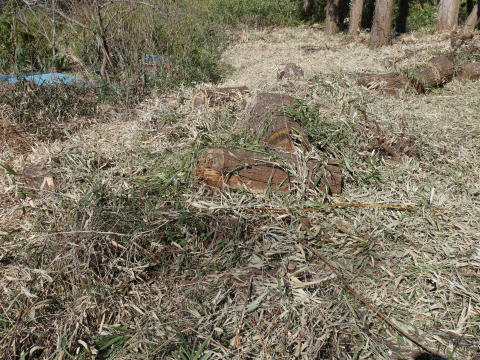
point(111, 249)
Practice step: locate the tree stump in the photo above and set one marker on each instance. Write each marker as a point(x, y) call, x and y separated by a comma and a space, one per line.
point(388, 84)
point(469, 71)
point(289, 71)
point(241, 169)
point(218, 96)
point(436, 72)
point(266, 116)
point(237, 169)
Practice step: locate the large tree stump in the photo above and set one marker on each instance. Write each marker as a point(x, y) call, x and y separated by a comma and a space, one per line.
point(266, 116)
point(469, 71)
point(436, 72)
point(241, 169)
point(388, 84)
point(218, 96)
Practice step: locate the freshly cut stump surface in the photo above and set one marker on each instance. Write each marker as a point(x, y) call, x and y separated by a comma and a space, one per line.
point(266, 116)
point(218, 96)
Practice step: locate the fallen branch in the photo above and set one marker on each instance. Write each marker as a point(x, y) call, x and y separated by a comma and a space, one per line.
point(341, 205)
point(365, 302)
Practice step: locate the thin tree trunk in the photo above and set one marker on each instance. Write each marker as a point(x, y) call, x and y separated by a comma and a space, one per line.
point(382, 23)
point(356, 12)
point(403, 12)
point(307, 8)
point(448, 15)
point(332, 16)
point(474, 18)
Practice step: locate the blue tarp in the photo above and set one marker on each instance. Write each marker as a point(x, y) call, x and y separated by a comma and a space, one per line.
point(46, 79)
point(151, 59)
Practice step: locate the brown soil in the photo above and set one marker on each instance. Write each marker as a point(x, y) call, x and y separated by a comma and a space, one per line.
point(13, 138)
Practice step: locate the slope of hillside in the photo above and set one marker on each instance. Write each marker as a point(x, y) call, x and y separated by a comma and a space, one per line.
point(112, 250)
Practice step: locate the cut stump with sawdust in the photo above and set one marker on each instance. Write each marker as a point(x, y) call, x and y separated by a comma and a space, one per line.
point(267, 117)
point(469, 71)
point(218, 96)
point(241, 169)
point(434, 73)
point(289, 71)
point(388, 84)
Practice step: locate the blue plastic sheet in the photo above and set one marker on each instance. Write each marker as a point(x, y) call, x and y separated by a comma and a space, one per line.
point(43, 79)
point(151, 59)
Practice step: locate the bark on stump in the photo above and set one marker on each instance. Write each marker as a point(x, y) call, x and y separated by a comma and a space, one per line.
point(382, 23)
point(356, 12)
point(266, 117)
point(469, 71)
point(218, 96)
point(436, 72)
point(388, 84)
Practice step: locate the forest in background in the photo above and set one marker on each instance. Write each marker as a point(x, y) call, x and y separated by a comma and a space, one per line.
point(109, 39)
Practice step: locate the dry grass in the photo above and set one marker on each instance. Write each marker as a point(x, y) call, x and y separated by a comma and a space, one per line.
point(129, 258)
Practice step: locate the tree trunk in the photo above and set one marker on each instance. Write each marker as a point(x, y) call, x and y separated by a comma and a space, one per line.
point(448, 15)
point(332, 16)
point(307, 8)
point(403, 12)
point(474, 18)
point(382, 23)
point(356, 12)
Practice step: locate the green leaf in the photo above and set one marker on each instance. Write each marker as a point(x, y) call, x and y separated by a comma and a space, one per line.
point(9, 170)
point(113, 340)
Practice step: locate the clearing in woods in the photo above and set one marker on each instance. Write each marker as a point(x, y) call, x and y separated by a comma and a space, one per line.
point(123, 253)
